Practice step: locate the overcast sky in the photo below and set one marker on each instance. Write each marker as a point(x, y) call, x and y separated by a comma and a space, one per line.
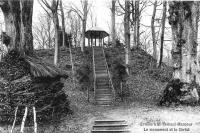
point(101, 10)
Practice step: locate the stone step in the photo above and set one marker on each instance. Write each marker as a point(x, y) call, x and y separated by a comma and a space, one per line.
point(103, 96)
point(98, 63)
point(101, 68)
point(103, 88)
point(102, 80)
point(102, 83)
point(103, 93)
point(99, 59)
point(99, 75)
point(100, 103)
point(101, 71)
point(102, 65)
point(110, 127)
point(98, 54)
point(109, 122)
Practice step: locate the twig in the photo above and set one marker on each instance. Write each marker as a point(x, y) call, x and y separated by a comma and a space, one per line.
point(13, 126)
point(23, 120)
point(35, 121)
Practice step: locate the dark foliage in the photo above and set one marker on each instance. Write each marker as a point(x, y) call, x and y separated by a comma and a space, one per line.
point(5, 38)
point(20, 88)
point(180, 93)
point(68, 39)
point(13, 66)
point(172, 92)
point(84, 73)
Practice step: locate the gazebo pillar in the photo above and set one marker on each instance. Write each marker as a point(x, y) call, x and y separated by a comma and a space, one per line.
point(88, 42)
point(100, 42)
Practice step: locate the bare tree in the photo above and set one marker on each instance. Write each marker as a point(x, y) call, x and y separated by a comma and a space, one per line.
point(75, 28)
point(83, 16)
point(127, 32)
point(162, 32)
point(137, 23)
point(153, 31)
point(18, 24)
point(43, 31)
point(39, 36)
point(113, 23)
point(63, 23)
point(53, 7)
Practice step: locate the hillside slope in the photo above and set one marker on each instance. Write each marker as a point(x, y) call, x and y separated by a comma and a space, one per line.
point(145, 82)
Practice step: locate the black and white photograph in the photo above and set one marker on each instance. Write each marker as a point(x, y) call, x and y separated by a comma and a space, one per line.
point(99, 66)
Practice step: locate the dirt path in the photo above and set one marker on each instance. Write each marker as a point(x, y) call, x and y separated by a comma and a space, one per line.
point(139, 115)
point(143, 116)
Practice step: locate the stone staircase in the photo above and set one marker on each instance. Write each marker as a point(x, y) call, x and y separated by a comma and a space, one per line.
point(103, 91)
point(110, 126)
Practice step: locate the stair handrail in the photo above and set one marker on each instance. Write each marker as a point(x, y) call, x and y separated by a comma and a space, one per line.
point(109, 74)
point(94, 75)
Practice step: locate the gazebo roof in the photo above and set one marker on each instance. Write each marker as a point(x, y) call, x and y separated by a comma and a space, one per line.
point(96, 32)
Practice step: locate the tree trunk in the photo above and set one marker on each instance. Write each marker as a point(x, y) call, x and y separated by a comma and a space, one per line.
point(153, 31)
point(113, 22)
point(184, 23)
point(18, 24)
point(137, 23)
point(63, 23)
point(56, 47)
point(85, 12)
point(26, 7)
point(162, 33)
point(127, 33)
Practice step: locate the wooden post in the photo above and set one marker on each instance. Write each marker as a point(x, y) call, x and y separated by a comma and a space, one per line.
point(24, 120)
point(95, 42)
point(35, 121)
point(91, 39)
point(13, 126)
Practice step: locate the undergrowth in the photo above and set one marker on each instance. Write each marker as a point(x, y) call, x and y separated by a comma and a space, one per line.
point(144, 82)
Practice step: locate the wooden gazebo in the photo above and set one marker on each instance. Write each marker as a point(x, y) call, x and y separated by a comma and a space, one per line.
point(96, 33)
